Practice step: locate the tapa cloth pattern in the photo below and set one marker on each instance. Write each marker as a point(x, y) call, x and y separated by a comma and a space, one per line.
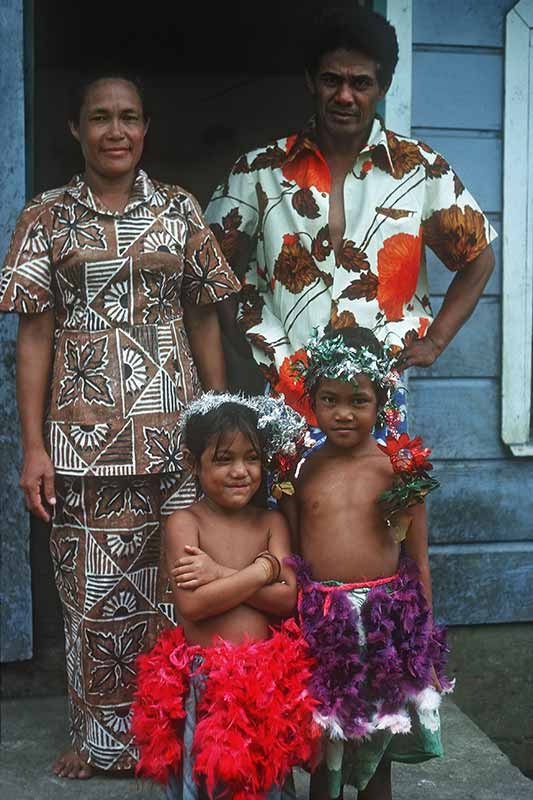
point(117, 283)
point(105, 545)
point(375, 646)
point(254, 717)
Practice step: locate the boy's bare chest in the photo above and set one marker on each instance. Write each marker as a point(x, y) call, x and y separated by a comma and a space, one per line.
point(333, 490)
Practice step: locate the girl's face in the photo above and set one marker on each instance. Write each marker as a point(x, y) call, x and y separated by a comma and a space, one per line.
point(230, 471)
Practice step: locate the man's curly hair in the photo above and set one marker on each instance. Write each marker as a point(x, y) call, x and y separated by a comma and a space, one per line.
point(353, 28)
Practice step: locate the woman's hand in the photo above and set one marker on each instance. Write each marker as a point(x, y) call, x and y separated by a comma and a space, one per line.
point(37, 483)
point(196, 569)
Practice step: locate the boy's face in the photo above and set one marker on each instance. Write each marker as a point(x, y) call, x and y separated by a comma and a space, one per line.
point(346, 413)
point(230, 471)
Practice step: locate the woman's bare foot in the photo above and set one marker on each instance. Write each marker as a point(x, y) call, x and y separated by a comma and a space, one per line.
point(71, 765)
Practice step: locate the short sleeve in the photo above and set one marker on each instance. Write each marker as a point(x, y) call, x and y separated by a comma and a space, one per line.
point(453, 225)
point(233, 214)
point(207, 277)
point(26, 277)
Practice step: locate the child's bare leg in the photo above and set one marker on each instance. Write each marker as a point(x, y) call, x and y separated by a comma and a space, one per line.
point(379, 786)
point(71, 765)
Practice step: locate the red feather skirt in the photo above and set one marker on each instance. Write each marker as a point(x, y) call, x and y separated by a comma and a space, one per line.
point(254, 720)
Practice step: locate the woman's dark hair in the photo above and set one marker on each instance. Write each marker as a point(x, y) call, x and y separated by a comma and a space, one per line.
point(78, 90)
point(354, 28)
point(226, 418)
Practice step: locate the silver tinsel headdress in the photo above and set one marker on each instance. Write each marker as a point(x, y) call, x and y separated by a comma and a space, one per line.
point(332, 358)
point(284, 429)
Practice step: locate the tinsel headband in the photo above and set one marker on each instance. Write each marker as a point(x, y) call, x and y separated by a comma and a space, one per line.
point(335, 360)
point(284, 430)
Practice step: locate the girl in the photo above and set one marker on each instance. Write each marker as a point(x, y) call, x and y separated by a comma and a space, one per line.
point(222, 702)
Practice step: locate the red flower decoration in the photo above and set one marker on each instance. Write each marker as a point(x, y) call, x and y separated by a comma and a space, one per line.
point(407, 455)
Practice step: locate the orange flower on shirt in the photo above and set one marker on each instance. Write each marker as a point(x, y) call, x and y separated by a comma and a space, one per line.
point(398, 265)
point(308, 169)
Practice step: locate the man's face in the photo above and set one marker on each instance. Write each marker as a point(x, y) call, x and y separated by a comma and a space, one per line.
point(346, 92)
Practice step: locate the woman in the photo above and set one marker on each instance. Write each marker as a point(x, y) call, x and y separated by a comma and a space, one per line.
point(115, 278)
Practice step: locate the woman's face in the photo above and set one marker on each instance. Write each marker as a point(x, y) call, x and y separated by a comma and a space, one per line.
point(111, 129)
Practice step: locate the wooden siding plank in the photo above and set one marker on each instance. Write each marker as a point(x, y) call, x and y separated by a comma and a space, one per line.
point(475, 351)
point(477, 160)
point(459, 418)
point(481, 501)
point(457, 90)
point(518, 222)
point(460, 22)
point(440, 277)
point(398, 100)
point(477, 584)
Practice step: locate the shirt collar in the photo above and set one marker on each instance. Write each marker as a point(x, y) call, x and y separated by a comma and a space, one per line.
point(141, 192)
point(307, 140)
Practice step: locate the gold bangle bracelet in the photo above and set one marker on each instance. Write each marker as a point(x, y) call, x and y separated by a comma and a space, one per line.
point(274, 563)
point(267, 566)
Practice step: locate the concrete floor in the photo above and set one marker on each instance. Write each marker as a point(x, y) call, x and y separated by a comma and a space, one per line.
point(33, 731)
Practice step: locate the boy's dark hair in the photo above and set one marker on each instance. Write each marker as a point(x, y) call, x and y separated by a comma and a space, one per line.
point(354, 28)
point(78, 90)
point(356, 337)
point(226, 418)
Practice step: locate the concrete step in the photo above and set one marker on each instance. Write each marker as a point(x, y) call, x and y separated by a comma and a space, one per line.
point(33, 732)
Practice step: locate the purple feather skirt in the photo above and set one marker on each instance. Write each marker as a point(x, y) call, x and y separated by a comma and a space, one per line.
point(373, 657)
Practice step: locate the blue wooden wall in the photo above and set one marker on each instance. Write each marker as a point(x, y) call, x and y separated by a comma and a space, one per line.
point(481, 518)
point(15, 582)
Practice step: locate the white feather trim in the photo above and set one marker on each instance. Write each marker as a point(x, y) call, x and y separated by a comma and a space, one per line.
point(395, 723)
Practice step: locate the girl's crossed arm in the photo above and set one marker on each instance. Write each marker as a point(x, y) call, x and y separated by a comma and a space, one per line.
point(219, 595)
point(194, 569)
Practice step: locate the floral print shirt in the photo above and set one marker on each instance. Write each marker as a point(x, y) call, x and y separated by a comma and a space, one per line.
point(123, 368)
point(271, 219)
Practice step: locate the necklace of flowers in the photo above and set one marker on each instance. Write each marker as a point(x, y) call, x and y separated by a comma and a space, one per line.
point(411, 484)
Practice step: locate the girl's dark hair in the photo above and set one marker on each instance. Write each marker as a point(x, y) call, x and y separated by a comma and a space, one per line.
point(226, 418)
point(353, 28)
point(78, 91)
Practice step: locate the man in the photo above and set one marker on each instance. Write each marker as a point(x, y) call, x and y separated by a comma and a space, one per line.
point(328, 226)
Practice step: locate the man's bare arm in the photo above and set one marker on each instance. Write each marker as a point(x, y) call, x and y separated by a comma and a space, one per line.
point(461, 299)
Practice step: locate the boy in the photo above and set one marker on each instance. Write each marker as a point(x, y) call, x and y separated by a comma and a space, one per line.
point(366, 612)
